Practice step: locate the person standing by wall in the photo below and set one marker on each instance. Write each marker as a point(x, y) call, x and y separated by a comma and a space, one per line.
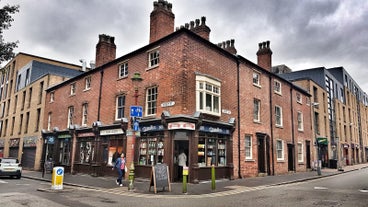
point(182, 162)
point(120, 167)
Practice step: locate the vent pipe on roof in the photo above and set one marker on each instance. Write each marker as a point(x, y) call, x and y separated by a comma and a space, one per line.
point(84, 64)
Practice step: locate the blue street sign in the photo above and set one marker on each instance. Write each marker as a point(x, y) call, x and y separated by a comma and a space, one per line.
point(136, 125)
point(136, 111)
point(59, 171)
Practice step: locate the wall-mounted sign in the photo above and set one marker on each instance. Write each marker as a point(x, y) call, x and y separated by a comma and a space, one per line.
point(168, 104)
point(224, 111)
point(86, 134)
point(29, 141)
point(217, 130)
point(14, 142)
point(181, 125)
point(111, 132)
point(151, 128)
point(2, 141)
point(64, 136)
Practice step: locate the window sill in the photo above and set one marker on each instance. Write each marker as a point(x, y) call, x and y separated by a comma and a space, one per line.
point(86, 89)
point(281, 161)
point(257, 122)
point(152, 67)
point(250, 160)
point(256, 85)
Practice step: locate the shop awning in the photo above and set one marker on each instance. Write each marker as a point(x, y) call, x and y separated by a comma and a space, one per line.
point(322, 140)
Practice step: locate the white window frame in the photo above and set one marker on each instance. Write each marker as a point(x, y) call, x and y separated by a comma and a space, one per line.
point(70, 116)
point(277, 87)
point(256, 78)
point(52, 96)
point(208, 88)
point(299, 98)
point(278, 116)
point(123, 69)
point(87, 83)
point(300, 152)
point(256, 110)
point(49, 116)
point(300, 121)
point(280, 150)
point(153, 58)
point(120, 107)
point(84, 114)
point(151, 100)
point(248, 147)
point(72, 88)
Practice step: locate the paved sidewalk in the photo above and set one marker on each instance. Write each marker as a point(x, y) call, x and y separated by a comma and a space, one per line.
point(143, 185)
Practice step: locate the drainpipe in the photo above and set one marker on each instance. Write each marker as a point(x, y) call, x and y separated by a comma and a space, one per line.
point(238, 94)
point(271, 127)
point(99, 95)
point(292, 128)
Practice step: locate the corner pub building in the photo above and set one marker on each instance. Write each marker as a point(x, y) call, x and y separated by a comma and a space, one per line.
point(196, 96)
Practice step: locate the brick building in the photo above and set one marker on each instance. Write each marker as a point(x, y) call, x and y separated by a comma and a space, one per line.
point(22, 94)
point(196, 96)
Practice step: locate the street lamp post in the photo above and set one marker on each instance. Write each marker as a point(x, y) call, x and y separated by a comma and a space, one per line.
point(135, 79)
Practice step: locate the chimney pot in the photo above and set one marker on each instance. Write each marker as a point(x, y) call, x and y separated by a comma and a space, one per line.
point(203, 20)
point(197, 22)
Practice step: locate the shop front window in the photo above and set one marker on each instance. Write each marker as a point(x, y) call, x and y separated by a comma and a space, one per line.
point(64, 149)
point(86, 152)
point(211, 150)
point(151, 150)
point(115, 150)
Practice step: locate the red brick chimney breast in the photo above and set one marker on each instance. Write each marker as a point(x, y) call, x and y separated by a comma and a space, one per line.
point(161, 20)
point(105, 49)
point(264, 55)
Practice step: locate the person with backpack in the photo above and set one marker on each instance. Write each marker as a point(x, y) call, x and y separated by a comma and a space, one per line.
point(120, 166)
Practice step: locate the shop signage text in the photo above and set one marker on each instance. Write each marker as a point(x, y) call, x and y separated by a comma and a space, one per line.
point(181, 125)
point(111, 132)
point(152, 128)
point(214, 130)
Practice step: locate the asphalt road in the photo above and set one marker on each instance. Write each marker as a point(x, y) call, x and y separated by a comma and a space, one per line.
point(348, 189)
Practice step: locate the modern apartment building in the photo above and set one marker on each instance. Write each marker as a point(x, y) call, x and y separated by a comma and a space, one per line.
point(23, 82)
point(346, 123)
point(180, 92)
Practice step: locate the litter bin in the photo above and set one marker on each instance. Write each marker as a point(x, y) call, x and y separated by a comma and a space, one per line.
point(333, 164)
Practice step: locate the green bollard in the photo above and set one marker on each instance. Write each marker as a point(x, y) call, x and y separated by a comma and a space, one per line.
point(185, 175)
point(213, 178)
point(184, 184)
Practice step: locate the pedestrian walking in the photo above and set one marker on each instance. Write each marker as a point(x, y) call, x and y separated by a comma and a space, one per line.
point(120, 167)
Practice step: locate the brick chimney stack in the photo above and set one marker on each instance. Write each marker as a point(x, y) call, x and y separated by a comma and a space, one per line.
point(105, 50)
point(162, 20)
point(264, 55)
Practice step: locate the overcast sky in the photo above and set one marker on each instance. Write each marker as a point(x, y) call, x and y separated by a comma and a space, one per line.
point(303, 33)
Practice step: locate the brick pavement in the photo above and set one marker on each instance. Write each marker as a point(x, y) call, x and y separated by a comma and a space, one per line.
point(143, 185)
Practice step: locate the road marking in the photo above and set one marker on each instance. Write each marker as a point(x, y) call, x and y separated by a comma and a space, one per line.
point(364, 191)
point(124, 191)
point(1, 181)
point(320, 188)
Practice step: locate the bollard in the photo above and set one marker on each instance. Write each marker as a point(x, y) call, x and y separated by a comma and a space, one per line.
point(185, 175)
point(213, 178)
point(131, 177)
point(184, 184)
